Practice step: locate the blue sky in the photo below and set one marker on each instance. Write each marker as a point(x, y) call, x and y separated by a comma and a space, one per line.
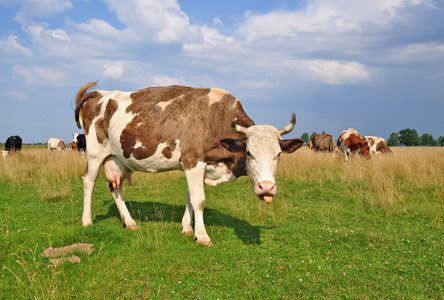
point(375, 66)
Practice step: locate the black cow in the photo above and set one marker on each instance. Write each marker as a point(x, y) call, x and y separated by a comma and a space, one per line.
point(13, 143)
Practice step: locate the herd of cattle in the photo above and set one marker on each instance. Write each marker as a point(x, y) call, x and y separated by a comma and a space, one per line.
point(14, 143)
point(350, 142)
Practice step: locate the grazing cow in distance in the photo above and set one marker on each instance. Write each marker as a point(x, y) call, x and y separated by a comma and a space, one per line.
point(80, 141)
point(12, 144)
point(378, 145)
point(201, 131)
point(56, 144)
point(350, 142)
point(323, 142)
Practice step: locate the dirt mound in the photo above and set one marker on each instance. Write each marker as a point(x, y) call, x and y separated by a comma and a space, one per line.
point(63, 251)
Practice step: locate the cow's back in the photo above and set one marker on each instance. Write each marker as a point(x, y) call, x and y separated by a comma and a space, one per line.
point(188, 120)
point(323, 142)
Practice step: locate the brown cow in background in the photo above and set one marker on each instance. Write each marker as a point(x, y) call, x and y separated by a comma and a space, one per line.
point(322, 142)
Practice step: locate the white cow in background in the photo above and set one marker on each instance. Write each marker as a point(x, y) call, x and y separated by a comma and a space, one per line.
point(56, 144)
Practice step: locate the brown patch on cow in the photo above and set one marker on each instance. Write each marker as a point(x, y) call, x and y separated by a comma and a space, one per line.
point(102, 124)
point(190, 118)
point(354, 142)
point(383, 147)
point(91, 108)
point(168, 151)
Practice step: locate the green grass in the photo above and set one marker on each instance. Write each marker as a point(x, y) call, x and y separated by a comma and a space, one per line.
point(330, 233)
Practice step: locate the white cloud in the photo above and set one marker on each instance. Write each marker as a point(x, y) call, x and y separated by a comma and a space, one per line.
point(330, 72)
point(11, 46)
point(37, 76)
point(41, 9)
point(161, 20)
point(262, 84)
point(114, 71)
point(166, 81)
point(324, 16)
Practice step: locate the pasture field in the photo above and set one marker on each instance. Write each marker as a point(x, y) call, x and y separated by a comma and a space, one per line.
point(361, 229)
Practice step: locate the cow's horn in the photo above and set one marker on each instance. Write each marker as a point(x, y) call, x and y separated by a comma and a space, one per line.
point(289, 127)
point(238, 128)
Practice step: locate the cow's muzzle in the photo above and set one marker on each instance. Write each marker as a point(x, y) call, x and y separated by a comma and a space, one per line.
point(265, 190)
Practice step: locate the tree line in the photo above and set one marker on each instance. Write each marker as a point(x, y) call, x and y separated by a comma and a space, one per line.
point(410, 137)
point(405, 137)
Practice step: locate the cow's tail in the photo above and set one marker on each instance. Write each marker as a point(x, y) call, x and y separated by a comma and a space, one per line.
point(80, 100)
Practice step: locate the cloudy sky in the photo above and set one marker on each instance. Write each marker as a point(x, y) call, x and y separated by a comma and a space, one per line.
point(376, 66)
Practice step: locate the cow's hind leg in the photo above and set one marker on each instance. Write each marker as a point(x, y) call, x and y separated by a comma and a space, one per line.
point(89, 180)
point(123, 210)
point(195, 180)
point(187, 219)
point(116, 172)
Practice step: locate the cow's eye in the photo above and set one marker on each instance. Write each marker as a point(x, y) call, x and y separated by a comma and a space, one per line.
point(249, 155)
point(277, 156)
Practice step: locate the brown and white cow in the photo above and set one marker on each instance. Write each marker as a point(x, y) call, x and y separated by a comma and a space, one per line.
point(378, 145)
point(56, 144)
point(350, 142)
point(202, 131)
point(322, 142)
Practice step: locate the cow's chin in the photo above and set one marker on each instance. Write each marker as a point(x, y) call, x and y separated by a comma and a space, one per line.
point(266, 198)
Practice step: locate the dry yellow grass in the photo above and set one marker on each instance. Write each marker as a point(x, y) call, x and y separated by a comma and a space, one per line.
point(51, 172)
point(410, 174)
point(385, 181)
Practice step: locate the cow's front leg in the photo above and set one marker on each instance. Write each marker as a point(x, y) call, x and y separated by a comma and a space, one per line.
point(195, 180)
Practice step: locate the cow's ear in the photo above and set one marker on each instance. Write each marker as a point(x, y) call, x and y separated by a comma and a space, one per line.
point(234, 145)
point(290, 146)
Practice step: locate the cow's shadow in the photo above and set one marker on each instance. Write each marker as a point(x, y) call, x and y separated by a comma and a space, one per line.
point(161, 212)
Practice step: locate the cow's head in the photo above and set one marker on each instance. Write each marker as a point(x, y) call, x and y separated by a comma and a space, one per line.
point(262, 146)
point(356, 143)
point(75, 136)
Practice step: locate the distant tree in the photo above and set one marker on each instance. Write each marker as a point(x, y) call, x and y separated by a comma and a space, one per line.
point(313, 134)
point(441, 141)
point(305, 137)
point(394, 139)
point(323, 132)
point(409, 137)
point(428, 140)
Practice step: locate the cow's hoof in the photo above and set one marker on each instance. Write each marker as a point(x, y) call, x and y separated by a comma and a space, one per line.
point(86, 223)
point(187, 232)
point(132, 227)
point(206, 242)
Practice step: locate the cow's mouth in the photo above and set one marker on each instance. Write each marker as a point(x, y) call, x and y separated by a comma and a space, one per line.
point(266, 198)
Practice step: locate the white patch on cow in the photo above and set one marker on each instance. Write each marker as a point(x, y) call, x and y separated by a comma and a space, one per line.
point(164, 104)
point(216, 95)
point(5, 153)
point(373, 142)
point(138, 145)
point(218, 173)
point(157, 162)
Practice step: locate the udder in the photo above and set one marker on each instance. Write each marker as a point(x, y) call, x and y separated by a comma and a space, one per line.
point(116, 172)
